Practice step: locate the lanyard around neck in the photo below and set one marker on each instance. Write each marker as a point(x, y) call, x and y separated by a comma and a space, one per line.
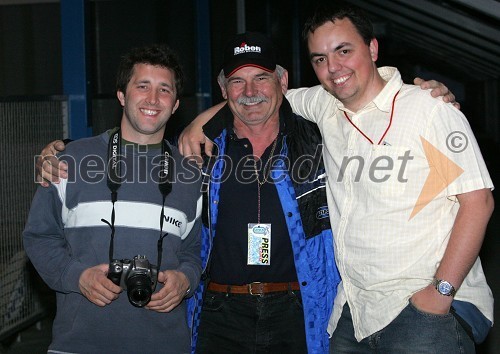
point(386, 130)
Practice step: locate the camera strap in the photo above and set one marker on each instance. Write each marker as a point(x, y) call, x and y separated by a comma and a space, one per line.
point(165, 186)
point(114, 181)
point(115, 178)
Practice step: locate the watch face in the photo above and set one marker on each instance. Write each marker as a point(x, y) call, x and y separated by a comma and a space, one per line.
point(444, 287)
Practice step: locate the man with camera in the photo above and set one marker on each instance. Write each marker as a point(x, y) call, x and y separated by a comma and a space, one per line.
point(126, 219)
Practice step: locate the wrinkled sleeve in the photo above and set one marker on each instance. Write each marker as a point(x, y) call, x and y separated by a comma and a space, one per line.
point(46, 245)
point(189, 256)
point(451, 135)
point(309, 103)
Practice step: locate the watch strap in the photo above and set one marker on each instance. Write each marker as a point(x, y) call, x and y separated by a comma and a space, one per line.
point(437, 283)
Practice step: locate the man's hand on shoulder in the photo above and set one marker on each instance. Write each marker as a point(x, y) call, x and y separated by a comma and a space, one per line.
point(438, 89)
point(48, 168)
point(191, 141)
point(192, 136)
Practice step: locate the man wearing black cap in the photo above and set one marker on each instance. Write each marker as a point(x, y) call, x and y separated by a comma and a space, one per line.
point(267, 237)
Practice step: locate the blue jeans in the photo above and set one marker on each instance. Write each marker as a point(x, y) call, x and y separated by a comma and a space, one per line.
point(413, 331)
point(235, 323)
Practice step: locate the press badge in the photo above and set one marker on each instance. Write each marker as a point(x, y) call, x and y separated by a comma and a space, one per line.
point(259, 244)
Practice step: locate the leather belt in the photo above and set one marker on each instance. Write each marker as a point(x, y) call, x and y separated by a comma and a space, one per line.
point(253, 288)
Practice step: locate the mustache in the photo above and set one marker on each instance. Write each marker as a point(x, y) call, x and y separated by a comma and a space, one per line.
point(253, 99)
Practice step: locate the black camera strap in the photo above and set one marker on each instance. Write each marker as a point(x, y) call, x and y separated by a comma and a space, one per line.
point(165, 186)
point(114, 181)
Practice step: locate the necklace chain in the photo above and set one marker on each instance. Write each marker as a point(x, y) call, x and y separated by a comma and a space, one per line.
point(265, 175)
point(266, 172)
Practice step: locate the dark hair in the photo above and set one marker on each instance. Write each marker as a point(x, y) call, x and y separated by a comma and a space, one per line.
point(331, 12)
point(155, 54)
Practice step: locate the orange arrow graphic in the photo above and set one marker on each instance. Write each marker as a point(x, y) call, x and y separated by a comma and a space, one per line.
point(442, 173)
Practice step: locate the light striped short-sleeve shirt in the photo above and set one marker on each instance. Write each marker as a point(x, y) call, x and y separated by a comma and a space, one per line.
point(393, 205)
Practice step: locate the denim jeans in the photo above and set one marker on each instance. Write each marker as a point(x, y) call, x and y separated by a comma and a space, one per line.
point(235, 323)
point(413, 331)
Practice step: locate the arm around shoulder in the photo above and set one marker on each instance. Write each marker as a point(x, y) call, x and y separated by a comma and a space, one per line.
point(192, 136)
point(48, 167)
point(311, 103)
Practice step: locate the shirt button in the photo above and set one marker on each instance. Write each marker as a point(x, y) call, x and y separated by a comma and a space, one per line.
point(289, 214)
point(304, 283)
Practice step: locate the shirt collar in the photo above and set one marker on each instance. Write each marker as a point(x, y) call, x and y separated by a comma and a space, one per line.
point(384, 99)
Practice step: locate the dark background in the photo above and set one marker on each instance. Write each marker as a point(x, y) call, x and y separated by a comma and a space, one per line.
point(451, 41)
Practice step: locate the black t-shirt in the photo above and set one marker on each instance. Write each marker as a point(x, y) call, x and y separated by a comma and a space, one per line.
point(238, 205)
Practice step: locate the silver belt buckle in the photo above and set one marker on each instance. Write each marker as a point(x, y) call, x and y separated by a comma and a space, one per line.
point(250, 290)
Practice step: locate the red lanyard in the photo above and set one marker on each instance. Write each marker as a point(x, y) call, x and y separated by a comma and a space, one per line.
point(385, 133)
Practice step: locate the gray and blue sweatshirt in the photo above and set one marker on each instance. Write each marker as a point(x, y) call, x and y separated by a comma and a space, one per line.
point(65, 235)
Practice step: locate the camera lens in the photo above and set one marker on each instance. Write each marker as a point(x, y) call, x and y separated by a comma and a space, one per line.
point(139, 289)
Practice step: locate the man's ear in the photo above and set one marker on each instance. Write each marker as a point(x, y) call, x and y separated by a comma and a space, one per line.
point(223, 91)
point(284, 82)
point(374, 49)
point(121, 97)
point(175, 106)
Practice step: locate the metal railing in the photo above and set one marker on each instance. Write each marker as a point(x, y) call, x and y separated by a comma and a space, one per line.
point(28, 124)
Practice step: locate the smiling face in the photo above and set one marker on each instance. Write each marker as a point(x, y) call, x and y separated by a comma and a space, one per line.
point(344, 63)
point(255, 95)
point(149, 101)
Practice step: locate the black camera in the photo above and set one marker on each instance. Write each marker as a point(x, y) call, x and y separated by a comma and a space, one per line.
point(137, 276)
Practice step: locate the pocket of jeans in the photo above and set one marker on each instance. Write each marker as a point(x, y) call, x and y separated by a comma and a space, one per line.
point(429, 314)
point(214, 301)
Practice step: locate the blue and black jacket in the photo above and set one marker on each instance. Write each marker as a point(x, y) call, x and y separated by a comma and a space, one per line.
point(300, 181)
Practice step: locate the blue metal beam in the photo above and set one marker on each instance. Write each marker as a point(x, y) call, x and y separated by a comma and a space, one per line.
point(204, 76)
point(75, 70)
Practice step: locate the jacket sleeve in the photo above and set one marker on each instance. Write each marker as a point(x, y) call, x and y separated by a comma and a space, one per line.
point(46, 245)
point(220, 121)
point(189, 255)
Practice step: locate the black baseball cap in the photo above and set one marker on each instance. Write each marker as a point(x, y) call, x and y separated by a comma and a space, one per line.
point(249, 49)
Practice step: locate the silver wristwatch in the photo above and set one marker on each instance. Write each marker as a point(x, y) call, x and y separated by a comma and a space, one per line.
point(444, 287)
